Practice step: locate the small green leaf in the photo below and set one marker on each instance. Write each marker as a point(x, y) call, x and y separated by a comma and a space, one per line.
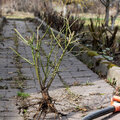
point(23, 95)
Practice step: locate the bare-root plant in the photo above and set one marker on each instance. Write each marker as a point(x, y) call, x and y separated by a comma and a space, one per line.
point(45, 66)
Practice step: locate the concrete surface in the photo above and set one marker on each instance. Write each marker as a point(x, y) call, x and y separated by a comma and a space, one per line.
point(87, 92)
point(95, 62)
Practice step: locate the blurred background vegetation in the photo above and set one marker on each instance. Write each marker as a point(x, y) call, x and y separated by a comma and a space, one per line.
point(77, 8)
point(88, 19)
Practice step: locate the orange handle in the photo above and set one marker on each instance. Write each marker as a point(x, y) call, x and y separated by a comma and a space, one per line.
point(116, 98)
point(115, 101)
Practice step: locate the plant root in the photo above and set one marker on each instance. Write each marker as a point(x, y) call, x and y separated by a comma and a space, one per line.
point(42, 106)
point(47, 107)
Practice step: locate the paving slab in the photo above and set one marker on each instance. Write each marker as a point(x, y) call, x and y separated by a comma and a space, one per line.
point(86, 91)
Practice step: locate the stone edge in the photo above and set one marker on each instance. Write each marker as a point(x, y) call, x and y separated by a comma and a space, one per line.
point(93, 60)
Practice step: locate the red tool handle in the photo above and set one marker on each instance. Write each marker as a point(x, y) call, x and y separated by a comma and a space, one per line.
point(115, 101)
point(116, 98)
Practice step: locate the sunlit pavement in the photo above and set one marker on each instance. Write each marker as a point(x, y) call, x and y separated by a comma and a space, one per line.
point(87, 91)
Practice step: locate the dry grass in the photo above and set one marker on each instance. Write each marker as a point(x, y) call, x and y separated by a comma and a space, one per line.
point(19, 15)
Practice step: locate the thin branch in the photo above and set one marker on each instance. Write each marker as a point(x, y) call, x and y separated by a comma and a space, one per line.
point(22, 56)
point(103, 2)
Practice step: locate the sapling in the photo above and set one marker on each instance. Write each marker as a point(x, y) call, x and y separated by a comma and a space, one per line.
point(46, 69)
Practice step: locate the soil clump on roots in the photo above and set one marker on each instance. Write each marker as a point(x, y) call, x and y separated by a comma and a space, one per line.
point(43, 106)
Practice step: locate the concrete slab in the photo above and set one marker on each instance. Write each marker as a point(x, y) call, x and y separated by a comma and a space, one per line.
point(86, 90)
